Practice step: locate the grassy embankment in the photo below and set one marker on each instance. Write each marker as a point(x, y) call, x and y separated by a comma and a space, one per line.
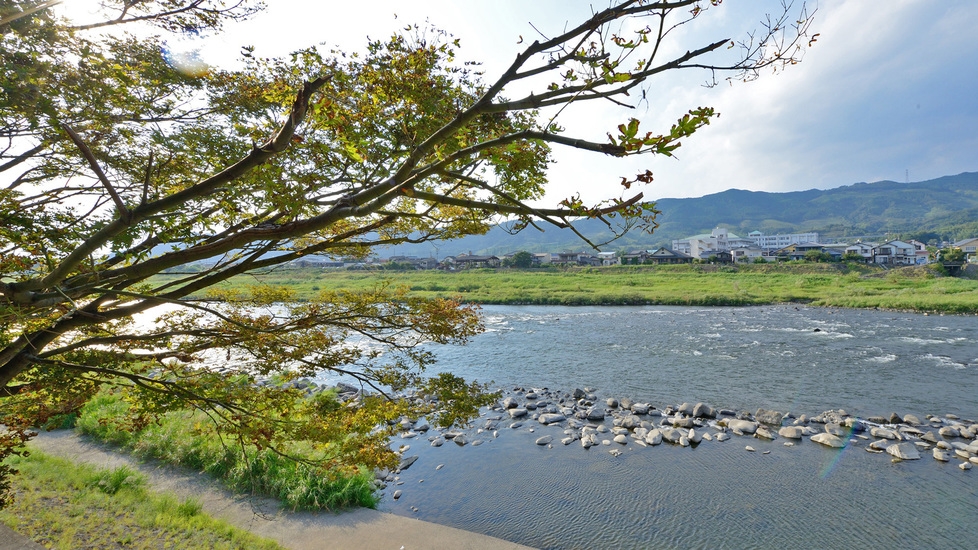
point(831, 285)
point(63, 505)
point(189, 439)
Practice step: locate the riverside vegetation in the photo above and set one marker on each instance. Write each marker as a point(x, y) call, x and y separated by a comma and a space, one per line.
point(922, 288)
point(63, 505)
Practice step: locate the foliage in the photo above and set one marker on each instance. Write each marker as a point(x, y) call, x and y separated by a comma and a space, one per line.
point(520, 260)
point(951, 254)
point(315, 481)
point(817, 256)
point(121, 161)
point(64, 505)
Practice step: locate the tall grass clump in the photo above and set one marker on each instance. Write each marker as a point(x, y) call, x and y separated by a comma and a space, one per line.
point(189, 439)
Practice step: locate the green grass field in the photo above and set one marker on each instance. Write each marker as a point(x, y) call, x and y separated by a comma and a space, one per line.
point(63, 505)
point(831, 285)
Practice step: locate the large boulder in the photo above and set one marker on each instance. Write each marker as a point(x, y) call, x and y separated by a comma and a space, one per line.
point(631, 422)
point(829, 440)
point(765, 416)
point(791, 432)
point(745, 426)
point(904, 451)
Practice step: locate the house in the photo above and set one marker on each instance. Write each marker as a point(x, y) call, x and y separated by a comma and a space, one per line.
point(668, 256)
point(635, 257)
point(575, 258)
point(717, 257)
point(895, 253)
point(864, 250)
point(718, 240)
point(969, 247)
point(609, 258)
point(745, 254)
point(469, 261)
point(923, 255)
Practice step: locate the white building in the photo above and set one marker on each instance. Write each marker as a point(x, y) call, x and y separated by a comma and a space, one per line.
point(720, 240)
point(781, 241)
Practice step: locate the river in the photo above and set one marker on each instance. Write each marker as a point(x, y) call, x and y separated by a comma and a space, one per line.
point(714, 495)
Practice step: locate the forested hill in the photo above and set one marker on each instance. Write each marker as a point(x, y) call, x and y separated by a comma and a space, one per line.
point(945, 207)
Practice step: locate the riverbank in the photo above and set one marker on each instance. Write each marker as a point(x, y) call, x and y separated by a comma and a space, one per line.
point(360, 528)
point(918, 289)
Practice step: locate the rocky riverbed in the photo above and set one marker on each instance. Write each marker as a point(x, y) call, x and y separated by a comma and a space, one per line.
point(613, 424)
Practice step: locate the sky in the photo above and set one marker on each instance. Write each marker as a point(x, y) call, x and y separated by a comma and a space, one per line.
point(889, 91)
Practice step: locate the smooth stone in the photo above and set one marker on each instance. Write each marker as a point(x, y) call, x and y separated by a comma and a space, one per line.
point(973, 460)
point(551, 418)
point(744, 426)
point(707, 436)
point(439, 467)
point(682, 422)
point(438, 442)
point(723, 436)
point(749, 448)
point(683, 441)
point(409, 435)
point(640, 408)
point(944, 445)
point(407, 462)
point(671, 435)
point(595, 413)
point(625, 403)
point(911, 419)
point(943, 456)
point(621, 439)
point(829, 440)
point(612, 402)
point(885, 433)
point(962, 454)
point(640, 433)
point(606, 442)
point(654, 437)
point(765, 416)
point(567, 440)
point(695, 436)
point(791, 432)
point(477, 442)
point(545, 440)
point(685, 408)
point(702, 410)
point(835, 429)
point(765, 433)
point(904, 451)
point(929, 436)
point(460, 440)
point(631, 422)
point(509, 403)
point(949, 431)
point(965, 465)
point(880, 445)
point(518, 412)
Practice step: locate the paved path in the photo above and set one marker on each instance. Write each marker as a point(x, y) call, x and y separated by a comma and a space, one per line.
point(362, 528)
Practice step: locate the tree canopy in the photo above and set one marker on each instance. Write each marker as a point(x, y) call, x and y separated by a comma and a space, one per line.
point(119, 161)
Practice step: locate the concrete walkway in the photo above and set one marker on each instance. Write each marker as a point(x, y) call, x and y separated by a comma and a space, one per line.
point(361, 528)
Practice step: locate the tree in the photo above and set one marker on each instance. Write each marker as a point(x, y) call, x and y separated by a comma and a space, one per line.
point(817, 256)
point(521, 260)
point(120, 164)
point(951, 254)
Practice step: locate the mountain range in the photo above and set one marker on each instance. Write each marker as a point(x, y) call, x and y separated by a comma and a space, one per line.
point(945, 208)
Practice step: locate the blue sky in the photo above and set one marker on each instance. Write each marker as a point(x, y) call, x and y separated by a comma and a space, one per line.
point(890, 88)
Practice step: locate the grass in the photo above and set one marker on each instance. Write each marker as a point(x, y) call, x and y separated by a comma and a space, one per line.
point(831, 285)
point(63, 505)
point(188, 439)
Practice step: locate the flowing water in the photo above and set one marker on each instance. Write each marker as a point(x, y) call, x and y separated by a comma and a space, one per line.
point(714, 495)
